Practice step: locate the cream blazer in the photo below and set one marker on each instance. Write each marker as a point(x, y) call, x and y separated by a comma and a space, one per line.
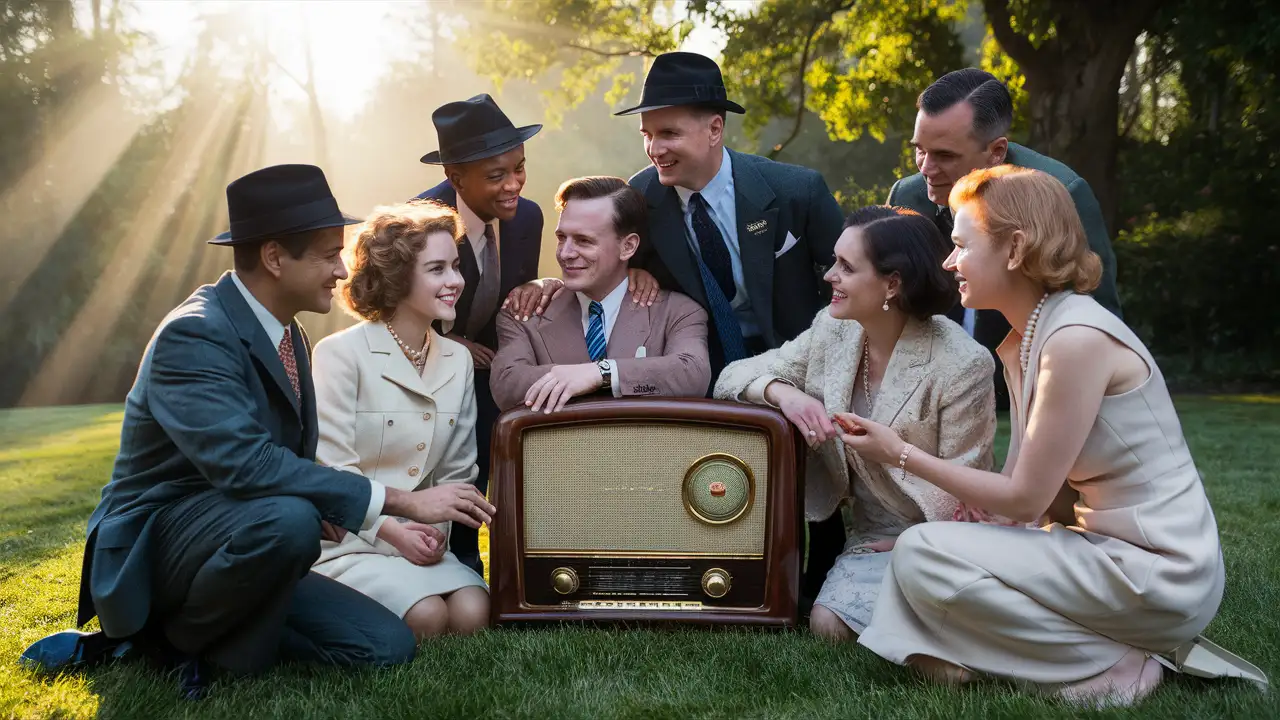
point(380, 419)
point(937, 394)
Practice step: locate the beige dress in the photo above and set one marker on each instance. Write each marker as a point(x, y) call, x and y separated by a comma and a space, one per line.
point(381, 419)
point(1139, 565)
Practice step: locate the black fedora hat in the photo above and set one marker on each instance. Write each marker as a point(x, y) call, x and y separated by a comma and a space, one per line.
point(474, 129)
point(683, 78)
point(280, 200)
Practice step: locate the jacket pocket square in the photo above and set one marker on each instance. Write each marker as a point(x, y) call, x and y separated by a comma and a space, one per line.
point(789, 243)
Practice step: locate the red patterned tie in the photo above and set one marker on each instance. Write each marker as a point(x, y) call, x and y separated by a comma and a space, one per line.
point(290, 362)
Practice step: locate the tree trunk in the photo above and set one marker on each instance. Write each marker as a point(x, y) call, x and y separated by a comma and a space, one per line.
point(1073, 82)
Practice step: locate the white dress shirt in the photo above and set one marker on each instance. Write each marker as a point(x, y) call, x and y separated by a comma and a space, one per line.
point(275, 331)
point(723, 206)
point(473, 228)
point(612, 304)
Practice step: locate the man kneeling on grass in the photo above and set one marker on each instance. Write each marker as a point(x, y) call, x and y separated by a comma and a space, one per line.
point(199, 553)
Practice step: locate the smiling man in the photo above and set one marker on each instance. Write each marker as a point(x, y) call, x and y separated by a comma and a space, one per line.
point(962, 126)
point(746, 237)
point(589, 340)
point(484, 165)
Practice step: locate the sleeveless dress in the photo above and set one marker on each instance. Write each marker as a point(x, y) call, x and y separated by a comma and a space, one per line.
point(1139, 565)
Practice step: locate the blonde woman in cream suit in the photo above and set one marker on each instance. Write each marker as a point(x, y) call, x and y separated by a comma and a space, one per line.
point(1126, 564)
point(881, 349)
point(396, 403)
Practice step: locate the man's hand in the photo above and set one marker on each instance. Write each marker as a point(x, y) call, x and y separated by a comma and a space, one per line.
point(561, 383)
point(481, 356)
point(330, 532)
point(456, 502)
point(419, 544)
point(644, 287)
point(532, 298)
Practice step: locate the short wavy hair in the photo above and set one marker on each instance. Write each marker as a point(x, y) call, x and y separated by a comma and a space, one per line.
point(1007, 199)
point(385, 252)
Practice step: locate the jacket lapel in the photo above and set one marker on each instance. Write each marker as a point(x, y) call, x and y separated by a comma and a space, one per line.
point(310, 431)
point(757, 238)
point(396, 367)
point(630, 330)
point(255, 338)
point(432, 379)
point(905, 371)
point(562, 332)
point(670, 238)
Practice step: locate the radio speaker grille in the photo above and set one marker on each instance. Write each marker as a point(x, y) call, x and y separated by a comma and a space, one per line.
point(617, 488)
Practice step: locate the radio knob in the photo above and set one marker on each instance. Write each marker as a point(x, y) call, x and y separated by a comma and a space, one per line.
point(716, 582)
point(564, 580)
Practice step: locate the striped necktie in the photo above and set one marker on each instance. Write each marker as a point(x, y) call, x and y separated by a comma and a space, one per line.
point(595, 331)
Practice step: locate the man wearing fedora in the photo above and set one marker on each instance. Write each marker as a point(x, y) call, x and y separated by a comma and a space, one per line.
point(200, 549)
point(482, 154)
point(746, 237)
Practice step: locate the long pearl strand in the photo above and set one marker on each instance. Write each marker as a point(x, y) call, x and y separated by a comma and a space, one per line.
point(1024, 350)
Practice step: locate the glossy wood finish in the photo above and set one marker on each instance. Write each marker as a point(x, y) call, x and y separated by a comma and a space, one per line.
point(764, 592)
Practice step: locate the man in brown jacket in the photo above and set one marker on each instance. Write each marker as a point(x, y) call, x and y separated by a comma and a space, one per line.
point(595, 338)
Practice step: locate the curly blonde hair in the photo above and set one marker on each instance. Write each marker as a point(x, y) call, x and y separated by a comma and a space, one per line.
point(1007, 199)
point(385, 251)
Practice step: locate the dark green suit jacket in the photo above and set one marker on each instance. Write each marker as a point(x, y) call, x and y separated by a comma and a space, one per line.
point(910, 192)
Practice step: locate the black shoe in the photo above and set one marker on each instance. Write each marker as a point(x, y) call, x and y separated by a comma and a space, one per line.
point(195, 677)
point(73, 650)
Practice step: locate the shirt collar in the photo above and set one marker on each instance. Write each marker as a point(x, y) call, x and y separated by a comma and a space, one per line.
point(612, 303)
point(473, 226)
point(718, 185)
point(275, 330)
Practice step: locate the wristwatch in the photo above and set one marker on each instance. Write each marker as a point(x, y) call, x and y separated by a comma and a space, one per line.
point(606, 372)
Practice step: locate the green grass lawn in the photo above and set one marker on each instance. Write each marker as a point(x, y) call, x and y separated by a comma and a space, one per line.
point(53, 461)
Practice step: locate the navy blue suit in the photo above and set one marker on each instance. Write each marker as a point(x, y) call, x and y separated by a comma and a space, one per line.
point(209, 525)
point(519, 245)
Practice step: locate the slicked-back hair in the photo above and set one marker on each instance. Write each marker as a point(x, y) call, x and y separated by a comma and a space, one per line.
point(989, 98)
point(630, 211)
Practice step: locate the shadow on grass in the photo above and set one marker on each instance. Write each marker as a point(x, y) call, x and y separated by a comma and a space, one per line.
point(49, 485)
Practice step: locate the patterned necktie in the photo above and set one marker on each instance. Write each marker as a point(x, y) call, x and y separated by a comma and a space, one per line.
point(712, 248)
point(290, 362)
point(595, 331)
point(485, 303)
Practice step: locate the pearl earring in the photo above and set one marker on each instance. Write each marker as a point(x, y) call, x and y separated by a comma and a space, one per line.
point(885, 306)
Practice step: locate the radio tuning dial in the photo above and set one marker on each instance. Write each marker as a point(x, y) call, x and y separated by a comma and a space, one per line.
point(716, 582)
point(564, 580)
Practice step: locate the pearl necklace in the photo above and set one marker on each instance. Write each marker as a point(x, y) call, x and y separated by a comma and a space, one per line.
point(417, 357)
point(1024, 349)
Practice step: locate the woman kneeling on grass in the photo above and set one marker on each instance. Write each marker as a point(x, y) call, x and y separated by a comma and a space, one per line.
point(396, 403)
point(1081, 605)
point(882, 349)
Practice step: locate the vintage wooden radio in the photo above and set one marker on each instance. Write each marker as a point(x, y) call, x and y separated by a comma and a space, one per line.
point(654, 509)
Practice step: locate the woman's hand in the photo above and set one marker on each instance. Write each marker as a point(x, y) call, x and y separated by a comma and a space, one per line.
point(873, 441)
point(419, 544)
point(805, 412)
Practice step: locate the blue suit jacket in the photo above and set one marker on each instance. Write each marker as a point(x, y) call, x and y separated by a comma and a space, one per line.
point(773, 200)
point(211, 407)
point(519, 245)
